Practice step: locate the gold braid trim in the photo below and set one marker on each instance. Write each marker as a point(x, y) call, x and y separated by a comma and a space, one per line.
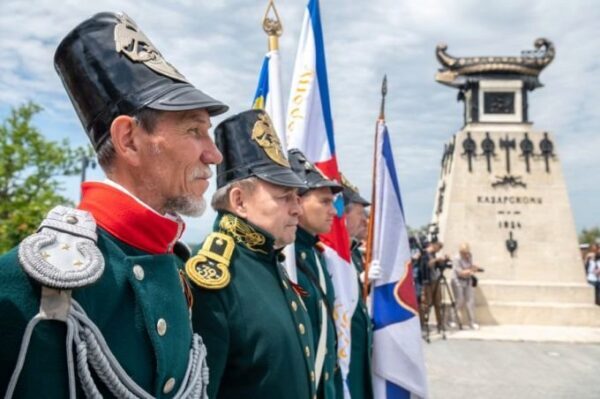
point(243, 233)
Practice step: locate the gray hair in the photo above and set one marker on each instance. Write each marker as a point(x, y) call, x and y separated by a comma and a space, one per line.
point(147, 119)
point(220, 199)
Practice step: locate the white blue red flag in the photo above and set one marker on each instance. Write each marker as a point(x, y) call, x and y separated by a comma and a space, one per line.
point(309, 127)
point(398, 364)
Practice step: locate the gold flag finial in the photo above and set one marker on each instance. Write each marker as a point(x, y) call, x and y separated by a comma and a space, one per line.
point(383, 94)
point(272, 26)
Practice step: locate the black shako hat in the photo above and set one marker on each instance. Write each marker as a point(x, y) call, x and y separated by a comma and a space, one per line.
point(311, 176)
point(109, 68)
point(251, 147)
point(351, 194)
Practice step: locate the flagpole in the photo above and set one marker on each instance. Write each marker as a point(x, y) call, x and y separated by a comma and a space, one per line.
point(272, 26)
point(371, 226)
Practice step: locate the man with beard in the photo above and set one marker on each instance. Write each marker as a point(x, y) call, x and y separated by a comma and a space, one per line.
point(94, 303)
point(316, 218)
point(250, 315)
point(359, 377)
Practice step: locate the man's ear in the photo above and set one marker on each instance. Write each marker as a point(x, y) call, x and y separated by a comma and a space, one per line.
point(237, 201)
point(123, 132)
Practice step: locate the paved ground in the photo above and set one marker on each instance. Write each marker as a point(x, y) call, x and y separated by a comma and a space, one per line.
point(557, 334)
point(485, 368)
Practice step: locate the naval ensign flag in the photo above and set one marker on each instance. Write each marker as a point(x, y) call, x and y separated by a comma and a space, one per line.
point(398, 365)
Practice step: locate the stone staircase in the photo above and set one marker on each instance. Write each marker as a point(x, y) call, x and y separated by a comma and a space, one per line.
point(500, 302)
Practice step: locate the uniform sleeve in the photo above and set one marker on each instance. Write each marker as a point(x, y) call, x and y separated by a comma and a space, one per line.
point(210, 320)
point(46, 355)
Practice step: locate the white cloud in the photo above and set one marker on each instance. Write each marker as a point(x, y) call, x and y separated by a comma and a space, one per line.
point(219, 46)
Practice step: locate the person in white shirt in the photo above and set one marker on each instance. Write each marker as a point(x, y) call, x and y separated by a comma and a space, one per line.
point(462, 282)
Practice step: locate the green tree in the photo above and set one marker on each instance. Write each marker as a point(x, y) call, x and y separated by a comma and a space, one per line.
point(29, 168)
point(589, 236)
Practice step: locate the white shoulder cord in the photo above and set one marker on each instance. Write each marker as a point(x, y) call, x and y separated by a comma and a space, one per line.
point(66, 228)
point(321, 346)
point(91, 350)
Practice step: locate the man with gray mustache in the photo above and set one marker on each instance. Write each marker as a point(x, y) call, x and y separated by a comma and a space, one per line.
point(94, 304)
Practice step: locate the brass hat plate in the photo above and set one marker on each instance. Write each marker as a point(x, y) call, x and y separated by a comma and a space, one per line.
point(132, 42)
point(266, 137)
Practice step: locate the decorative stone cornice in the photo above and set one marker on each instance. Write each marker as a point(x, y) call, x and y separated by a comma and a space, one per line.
point(530, 63)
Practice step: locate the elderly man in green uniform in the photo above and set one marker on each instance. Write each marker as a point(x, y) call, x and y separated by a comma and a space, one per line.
point(316, 218)
point(254, 323)
point(94, 303)
point(359, 377)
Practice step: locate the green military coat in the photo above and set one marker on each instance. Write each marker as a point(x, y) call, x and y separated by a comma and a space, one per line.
point(360, 381)
point(330, 385)
point(126, 309)
point(254, 324)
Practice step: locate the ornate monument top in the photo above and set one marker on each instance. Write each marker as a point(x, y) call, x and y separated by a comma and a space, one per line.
point(529, 64)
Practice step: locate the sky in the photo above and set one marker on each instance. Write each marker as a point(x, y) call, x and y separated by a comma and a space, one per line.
point(219, 47)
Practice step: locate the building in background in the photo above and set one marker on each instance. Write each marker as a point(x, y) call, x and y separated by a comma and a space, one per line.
point(502, 190)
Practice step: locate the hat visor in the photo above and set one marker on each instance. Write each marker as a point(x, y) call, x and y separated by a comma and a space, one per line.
point(357, 199)
point(185, 97)
point(335, 188)
point(352, 197)
point(278, 175)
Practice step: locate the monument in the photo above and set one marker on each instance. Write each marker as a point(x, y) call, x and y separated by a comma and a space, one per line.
point(502, 190)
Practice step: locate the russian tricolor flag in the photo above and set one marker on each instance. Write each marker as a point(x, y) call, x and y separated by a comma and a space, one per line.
point(398, 364)
point(309, 127)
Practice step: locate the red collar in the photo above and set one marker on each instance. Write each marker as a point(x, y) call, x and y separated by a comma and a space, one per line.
point(127, 219)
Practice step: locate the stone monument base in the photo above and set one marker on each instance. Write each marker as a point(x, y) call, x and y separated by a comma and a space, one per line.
point(535, 303)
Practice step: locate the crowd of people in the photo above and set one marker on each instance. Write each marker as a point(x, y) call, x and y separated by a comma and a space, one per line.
point(104, 300)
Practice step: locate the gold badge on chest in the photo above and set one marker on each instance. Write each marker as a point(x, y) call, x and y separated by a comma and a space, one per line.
point(209, 268)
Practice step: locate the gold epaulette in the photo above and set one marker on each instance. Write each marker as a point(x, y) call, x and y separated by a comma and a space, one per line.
point(209, 268)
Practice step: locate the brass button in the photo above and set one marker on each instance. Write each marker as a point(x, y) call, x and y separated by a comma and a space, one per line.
point(169, 385)
point(161, 327)
point(284, 284)
point(312, 375)
point(294, 306)
point(301, 328)
point(138, 272)
point(303, 255)
point(307, 351)
point(326, 376)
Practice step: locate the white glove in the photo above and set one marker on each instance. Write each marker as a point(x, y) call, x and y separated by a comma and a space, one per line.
point(375, 270)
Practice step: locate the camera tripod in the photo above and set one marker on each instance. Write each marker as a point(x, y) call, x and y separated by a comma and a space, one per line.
point(447, 304)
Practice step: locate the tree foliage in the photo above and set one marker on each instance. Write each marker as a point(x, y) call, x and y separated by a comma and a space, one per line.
point(29, 169)
point(589, 236)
